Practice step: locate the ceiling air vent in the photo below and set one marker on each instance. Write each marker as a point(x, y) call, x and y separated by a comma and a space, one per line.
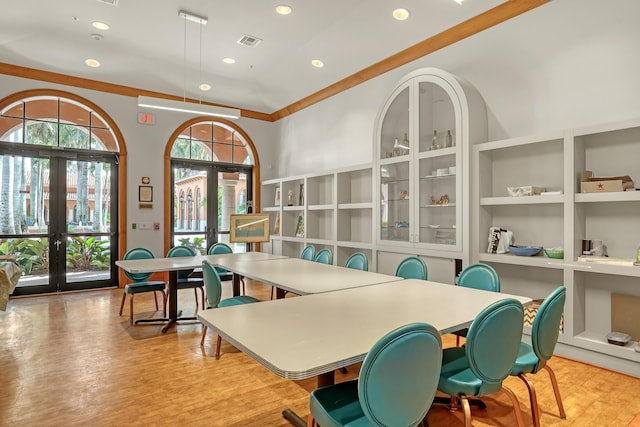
point(247, 40)
point(109, 2)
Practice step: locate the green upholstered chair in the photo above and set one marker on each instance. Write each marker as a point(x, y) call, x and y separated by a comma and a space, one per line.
point(480, 367)
point(533, 357)
point(223, 248)
point(412, 268)
point(141, 284)
point(324, 256)
point(184, 281)
point(477, 276)
point(397, 383)
point(358, 261)
point(308, 253)
point(214, 295)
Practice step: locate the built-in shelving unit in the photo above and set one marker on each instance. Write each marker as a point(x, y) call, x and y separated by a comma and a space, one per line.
point(555, 161)
point(336, 208)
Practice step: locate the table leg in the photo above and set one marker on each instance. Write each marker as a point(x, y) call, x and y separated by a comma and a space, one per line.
point(173, 301)
point(236, 284)
point(327, 378)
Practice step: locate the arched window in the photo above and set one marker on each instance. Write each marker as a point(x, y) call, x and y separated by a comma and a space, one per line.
point(213, 160)
point(59, 157)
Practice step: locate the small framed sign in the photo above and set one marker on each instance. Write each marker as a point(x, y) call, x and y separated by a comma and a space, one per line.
point(145, 193)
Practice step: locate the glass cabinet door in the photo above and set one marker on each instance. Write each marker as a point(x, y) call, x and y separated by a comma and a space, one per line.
point(394, 138)
point(395, 209)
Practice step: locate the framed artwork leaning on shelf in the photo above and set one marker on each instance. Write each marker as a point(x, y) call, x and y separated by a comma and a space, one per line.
point(249, 228)
point(300, 226)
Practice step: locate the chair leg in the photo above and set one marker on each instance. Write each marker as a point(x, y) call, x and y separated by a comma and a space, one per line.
point(272, 290)
point(457, 340)
point(124, 296)
point(165, 296)
point(556, 391)
point(311, 422)
point(204, 334)
point(467, 411)
point(533, 400)
point(203, 297)
point(516, 405)
point(131, 309)
point(195, 293)
point(155, 298)
point(244, 291)
point(218, 345)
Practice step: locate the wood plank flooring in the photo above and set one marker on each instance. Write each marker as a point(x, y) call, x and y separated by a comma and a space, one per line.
point(69, 360)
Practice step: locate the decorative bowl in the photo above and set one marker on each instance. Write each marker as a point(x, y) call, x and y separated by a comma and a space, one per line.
point(557, 253)
point(525, 250)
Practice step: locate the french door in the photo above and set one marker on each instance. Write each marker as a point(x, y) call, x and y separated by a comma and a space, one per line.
point(58, 213)
point(204, 196)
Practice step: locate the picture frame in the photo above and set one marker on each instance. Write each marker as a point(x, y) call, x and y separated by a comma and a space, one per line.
point(145, 193)
point(301, 196)
point(278, 198)
point(300, 226)
point(249, 228)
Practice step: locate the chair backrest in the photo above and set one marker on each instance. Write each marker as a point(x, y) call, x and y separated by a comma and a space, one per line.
point(182, 251)
point(220, 248)
point(493, 341)
point(358, 261)
point(138, 253)
point(212, 284)
point(546, 324)
point(399, 376)
point(324, 256)
point(480, 276)
point(412, 268)
point(308, 253)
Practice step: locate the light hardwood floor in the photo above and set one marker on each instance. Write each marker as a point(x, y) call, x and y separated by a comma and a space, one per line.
point(68, 360)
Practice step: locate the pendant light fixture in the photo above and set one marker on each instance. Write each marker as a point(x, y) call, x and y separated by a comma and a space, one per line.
point(184, 106)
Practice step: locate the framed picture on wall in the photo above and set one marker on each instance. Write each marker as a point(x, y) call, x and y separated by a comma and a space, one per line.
point(145, 193)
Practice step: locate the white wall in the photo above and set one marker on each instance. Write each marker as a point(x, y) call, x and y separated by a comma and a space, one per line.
point(565, 64)
point(146, 146)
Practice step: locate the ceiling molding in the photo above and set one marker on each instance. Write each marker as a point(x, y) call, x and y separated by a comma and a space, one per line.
point(475, 25)
point(478, 23)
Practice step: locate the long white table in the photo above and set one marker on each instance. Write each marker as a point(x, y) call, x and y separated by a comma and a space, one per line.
point(304, 277)
point(319, 333)
point(175, 264)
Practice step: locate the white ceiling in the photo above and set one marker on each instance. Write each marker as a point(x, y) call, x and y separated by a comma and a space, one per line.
point(144, 48)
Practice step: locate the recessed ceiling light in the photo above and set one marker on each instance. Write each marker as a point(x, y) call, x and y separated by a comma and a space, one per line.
point(100, 25)
point(401, 14)
point(458, 1)
point(205, 87)
point(92, 62)
point(283, 9)
point(317, 63)
point(228, 60)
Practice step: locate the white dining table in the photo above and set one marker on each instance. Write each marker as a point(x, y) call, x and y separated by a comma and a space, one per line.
point(175, 264)
point(304, 277)
point(322, 332)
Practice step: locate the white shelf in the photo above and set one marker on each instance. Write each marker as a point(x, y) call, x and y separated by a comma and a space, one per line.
point(450, 205)
point(525, 200)
point(321, 207)
point(346, 206)
point(565, 220)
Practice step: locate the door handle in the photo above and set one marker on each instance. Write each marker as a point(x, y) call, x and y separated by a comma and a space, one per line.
point(57, 243)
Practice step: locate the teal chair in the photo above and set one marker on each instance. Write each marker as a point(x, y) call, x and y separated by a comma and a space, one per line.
point(308, 253)
point(324, 256)
point(184, 281)
point(544, 336)
point(477, 276)
point(141, 284)
point(214, 295)
point(480, 367)
point(396, 387)
point(223, 248)
point(412, 268)
point(358, 261)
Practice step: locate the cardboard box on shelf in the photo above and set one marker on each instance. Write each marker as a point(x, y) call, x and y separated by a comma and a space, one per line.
point(591, 184)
